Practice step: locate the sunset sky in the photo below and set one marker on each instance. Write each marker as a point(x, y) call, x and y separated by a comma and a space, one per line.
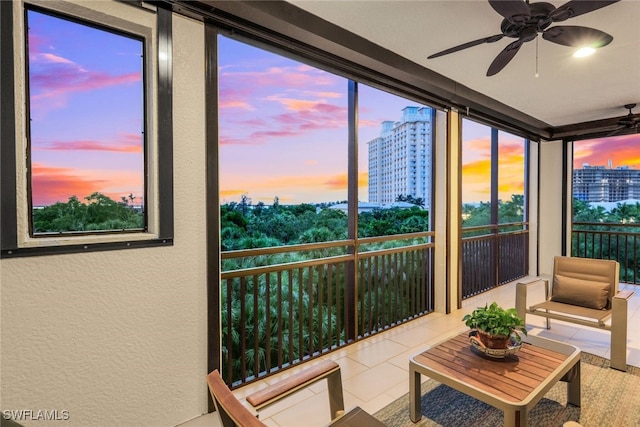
point(86, 111)
point(283, 124)
point(283, 128)
point(621, 150)
point(476, 163)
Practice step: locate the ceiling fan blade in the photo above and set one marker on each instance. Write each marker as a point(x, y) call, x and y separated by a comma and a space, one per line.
point(490, 39)
point(504, 58)
point(514, 10)
point(575, 36)
point(614, 132)
point(578, 7)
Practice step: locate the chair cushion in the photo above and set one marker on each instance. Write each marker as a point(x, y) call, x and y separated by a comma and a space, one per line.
point(585, 293)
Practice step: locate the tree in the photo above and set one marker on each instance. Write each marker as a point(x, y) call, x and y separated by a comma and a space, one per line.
point(245, 203)
point(100, 212)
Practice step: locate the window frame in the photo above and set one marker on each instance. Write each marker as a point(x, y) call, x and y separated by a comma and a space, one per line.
point(15, 209)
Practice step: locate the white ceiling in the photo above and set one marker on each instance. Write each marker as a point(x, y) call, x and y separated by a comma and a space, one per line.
point(567, 90)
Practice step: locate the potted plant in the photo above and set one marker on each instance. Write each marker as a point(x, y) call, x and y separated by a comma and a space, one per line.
point(496, 326)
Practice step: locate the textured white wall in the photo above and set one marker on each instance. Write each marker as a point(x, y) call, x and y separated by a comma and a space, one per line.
point(119, 338)
point(550, 223)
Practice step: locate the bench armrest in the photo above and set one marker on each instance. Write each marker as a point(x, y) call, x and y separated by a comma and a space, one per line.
point(521, 294)
point(326, 369)
point(626, 294)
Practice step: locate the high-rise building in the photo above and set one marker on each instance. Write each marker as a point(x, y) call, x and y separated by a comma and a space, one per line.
point(605, 184)
point(400, 158)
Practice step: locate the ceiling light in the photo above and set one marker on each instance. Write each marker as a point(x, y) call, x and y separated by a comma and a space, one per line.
point(584, 51)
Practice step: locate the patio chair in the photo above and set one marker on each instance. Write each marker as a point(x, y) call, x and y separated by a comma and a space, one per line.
point(234, 414)
point(584, 291)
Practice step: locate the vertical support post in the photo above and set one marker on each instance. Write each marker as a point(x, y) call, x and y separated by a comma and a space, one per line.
point(495, 230)
point(214, 305)
point(573, 386)
point(336, 398)
point(351, 325)
point(415, 410)
point(619, 330)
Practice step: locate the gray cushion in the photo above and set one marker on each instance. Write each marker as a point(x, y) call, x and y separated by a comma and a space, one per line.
point(585, 293)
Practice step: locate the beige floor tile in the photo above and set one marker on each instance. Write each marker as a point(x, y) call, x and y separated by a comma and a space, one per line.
point(413, 337)
point(378, 353)
point(375, 404)
point(399, 390)
point(375, 381)
point(286, 403)
point(348, 368)
point(311, 412)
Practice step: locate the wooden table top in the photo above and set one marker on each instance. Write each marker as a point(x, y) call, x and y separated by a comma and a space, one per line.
point(512, 379)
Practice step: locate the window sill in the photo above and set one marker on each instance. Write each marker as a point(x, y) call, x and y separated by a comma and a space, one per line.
point(84, 247)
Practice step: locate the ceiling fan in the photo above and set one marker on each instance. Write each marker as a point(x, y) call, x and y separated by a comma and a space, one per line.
point(630, 121)
point(523, 21)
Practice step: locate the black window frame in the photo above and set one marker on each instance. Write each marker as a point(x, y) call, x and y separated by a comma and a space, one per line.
point(164, 233)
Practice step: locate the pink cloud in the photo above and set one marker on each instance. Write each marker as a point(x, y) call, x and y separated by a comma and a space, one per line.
point(225, 140)
point(228, 104)
point(301, 77)
point(64, 81)
point(51, 184)
point(324, 94)
point(126, 143)
point(337, 182)
point(53, 78)
point(318, 116)
point(56, 184)
point(621, 150)
point(50, 57)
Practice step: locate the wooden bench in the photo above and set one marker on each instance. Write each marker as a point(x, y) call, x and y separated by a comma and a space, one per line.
point(233, 413)
point(583, 291)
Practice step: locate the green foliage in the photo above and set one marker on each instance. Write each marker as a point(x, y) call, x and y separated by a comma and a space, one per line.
point(243, 225)
point(387, 222)
point(623, 213)
point(608, 235)
point(474, 215)
point(99, 213)
point(496, 320)
point(269, 319)
point(289, 317)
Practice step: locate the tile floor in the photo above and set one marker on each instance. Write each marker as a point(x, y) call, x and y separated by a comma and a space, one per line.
point(375, 371)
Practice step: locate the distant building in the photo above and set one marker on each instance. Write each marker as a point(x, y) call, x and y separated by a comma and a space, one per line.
point(400, 158)
point(606, 184)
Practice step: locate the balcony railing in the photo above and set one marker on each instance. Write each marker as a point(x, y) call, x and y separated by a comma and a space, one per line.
point(493, 255)
point(284, 305)
point(620, 242)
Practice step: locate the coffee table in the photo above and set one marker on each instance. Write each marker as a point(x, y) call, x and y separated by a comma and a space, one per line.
point(513, 384)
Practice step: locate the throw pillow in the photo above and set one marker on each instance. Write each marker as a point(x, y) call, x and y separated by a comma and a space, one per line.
point(585, 293)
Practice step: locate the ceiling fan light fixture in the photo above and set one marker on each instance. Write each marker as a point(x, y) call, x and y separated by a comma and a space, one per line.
point(584, 51)
point(524, 21)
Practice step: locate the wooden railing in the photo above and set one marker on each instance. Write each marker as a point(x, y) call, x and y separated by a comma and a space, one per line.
point(284, 305)
point(493, 255)
point(620, 242)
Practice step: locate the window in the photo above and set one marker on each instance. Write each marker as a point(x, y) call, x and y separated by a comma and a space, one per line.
point(85, 124)
point(395, 186)
point(283, 149)
point(511, 178)
point(495, 232)
point(606, 202)
point(86, 127)
point(476, 174)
